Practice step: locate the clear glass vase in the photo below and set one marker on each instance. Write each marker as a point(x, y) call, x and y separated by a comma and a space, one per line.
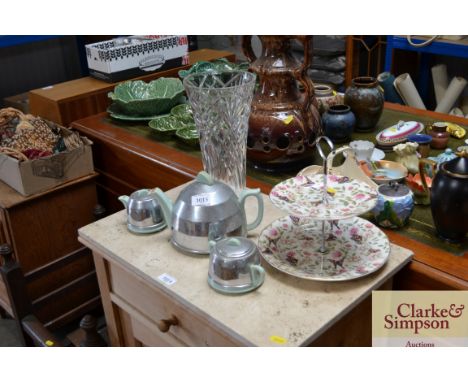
point(221, 109)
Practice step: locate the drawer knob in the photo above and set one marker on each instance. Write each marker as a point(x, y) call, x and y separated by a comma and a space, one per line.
point(165, 324)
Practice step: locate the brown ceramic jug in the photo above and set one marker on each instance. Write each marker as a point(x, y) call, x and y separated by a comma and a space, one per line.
point(284, 122)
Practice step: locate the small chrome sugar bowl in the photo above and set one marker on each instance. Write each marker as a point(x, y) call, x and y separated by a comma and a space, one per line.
point(234, 265)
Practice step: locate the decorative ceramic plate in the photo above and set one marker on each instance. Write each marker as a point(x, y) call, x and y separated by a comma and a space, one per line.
point(117, 114)
point(167, 124)
point(183, 112)
point(189, 135)
point(304, 196)
point(398, 133)
point(355, 248)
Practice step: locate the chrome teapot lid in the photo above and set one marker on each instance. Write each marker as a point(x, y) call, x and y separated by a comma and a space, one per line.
point(143, 195)
point(235, 247)
point(206, 191)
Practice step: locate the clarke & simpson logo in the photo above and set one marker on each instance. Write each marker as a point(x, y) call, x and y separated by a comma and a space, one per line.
point(409, 316)
point(421, 318)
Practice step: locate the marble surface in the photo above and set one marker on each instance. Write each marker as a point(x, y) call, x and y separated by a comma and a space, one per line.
point(284, 311)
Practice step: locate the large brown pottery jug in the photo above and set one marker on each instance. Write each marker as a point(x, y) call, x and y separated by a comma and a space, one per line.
point(366, 100)
point(284, 120)
point(449, 199)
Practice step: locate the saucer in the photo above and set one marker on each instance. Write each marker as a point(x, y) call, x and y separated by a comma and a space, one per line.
point(145, 230)
point(114, 113)
point(233, 290)
point(377, 154)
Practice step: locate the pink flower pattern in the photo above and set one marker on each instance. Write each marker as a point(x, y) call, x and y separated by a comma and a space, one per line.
point(295, 249)
point(302, 196)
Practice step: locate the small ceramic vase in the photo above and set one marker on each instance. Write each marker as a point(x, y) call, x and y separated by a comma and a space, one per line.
point(424, 141)
point(365, 97)
point(394, 205)
point(406, 155)
point(338, 123)
point(326, 97)
point(440, 135)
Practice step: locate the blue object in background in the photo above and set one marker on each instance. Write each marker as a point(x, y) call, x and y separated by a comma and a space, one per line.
point(338, 123)
point(386, 80)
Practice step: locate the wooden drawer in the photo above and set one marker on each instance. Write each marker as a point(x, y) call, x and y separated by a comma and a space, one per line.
point(146, 305)
point(139, 331)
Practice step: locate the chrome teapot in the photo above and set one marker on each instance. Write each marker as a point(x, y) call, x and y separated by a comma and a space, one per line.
point(143, 212)
point(202, 204)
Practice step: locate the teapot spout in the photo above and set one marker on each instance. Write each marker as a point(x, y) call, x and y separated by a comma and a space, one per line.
point(166, 205)
point(124, 199)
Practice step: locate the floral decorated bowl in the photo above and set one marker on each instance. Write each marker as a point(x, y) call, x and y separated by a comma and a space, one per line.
point(141, 98)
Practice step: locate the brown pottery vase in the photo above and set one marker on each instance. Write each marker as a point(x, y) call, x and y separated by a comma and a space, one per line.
point(284, 121)
point(440, 135)
point(366, 100)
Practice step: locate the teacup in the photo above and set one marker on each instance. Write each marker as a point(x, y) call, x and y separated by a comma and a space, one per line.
point(362, 149)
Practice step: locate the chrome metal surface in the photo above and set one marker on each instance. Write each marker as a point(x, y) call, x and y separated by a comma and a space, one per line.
point(143, 210)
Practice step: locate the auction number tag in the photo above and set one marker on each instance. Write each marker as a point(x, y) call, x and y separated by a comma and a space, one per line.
point(167, 279)
point(206, 199)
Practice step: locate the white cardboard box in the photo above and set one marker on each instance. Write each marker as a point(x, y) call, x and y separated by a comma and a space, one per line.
point(129, 57)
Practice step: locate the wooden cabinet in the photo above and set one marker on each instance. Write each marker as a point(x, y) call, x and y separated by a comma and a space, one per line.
point(41, 229)
point(180, 309)
point(146, 312)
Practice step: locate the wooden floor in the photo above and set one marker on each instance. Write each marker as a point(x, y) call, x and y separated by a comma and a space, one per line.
point(9, 335)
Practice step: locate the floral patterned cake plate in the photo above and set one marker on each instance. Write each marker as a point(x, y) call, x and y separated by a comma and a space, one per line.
point(303, 195)
point(355, 248)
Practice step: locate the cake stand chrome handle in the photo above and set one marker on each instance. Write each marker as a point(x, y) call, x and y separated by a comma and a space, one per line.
point(324, 157)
